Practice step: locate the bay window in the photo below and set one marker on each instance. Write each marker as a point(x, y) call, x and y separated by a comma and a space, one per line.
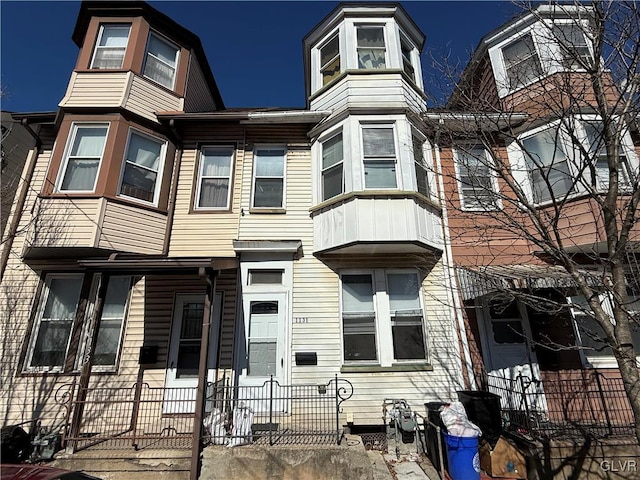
point(594, 132)
point(110, 46)
point(547, 166)
point(330, 60)
point(142, 167)
point(370, 47)
point(382, 317)
point(161, 61)
point(332, 167)
point(406, 50)
point(269, 177)
point(421, 167)
point(213, 190)
point(82, 157)
point(379, 156)
point(574, 49)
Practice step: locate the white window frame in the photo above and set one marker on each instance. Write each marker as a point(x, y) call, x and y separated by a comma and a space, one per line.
point(458, 152)
point(330, 38)
point(385, 355)
point(104, 47)
point(202, 177)
point(39, 320)
point(380, 158)
point(556, 48)
point(334, 166)
point(385, 49)
point(410, 59)
point(166, 41)
point(425, 165)
point(269, 147)
point(159, 172)
point(73, 132)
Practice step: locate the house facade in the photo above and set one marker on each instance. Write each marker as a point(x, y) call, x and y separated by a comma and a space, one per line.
point(310, 241)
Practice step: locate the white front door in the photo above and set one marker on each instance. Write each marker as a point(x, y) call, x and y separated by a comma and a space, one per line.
point(265, 350)
point(508, 354)
point(184, 351)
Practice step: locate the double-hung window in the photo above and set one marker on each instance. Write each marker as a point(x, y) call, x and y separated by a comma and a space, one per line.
point(406, 50)
point(574, 49)
point(330, 59)
point(332, 167)
point(477, 187)
point(382, 317)
point(521, 62)
point(82, 157)
point(379, 156)
point(214, 177)
point(598, 154)
point(370, 47)
point(55, 318)
point(422, 171)
point(142, 167)
point(269, 177)
point(111, 46)
point(111, 322)
point(161, 61)
point(547, 166)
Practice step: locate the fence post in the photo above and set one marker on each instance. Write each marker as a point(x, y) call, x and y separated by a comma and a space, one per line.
point(136, 408)
point(337, 412)
point(271, 410)
point(604, 404)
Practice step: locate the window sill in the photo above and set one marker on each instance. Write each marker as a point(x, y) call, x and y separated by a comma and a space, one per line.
point(267, 210)
point(345, 197)
point(398, 367)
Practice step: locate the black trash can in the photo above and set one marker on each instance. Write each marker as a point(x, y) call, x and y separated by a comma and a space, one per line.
point(15, 443)
point(483, 409)
point(433, 415)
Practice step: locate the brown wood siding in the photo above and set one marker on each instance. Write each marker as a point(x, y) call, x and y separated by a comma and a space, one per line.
point(197, 97)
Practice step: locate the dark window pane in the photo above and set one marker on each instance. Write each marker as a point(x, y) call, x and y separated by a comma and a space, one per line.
point(408, 342)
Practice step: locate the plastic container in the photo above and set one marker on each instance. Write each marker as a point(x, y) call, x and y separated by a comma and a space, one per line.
point(463, 457)
point(483, 409)
point(433, 415)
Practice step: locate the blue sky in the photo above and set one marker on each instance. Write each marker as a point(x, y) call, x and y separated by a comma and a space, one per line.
point(254, 48)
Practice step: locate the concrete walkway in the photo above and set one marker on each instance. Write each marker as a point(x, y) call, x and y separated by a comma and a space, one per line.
point(388, 467)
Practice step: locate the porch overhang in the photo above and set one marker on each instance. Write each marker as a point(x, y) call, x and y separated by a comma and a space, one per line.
point(476, 281)
point(153, 264)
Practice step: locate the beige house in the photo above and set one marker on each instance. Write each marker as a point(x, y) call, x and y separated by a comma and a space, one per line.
point(310, 242)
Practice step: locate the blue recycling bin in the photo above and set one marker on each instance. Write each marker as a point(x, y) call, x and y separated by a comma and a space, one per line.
point(463, 457)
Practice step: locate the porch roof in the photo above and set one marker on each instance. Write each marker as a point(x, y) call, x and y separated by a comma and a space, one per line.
point(476, 281)
point(156, 264)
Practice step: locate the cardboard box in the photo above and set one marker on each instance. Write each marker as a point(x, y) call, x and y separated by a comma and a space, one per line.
point(505, 460)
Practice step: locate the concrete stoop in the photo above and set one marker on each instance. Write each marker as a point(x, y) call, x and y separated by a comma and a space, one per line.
point(349, 460)
point(129, 464)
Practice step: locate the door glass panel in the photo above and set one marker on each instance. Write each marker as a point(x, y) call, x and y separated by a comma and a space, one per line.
point(263, 339)
point(189, 343)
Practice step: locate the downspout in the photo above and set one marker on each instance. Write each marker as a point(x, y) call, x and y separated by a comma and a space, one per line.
point(29, 168)
point(203, 368)
point(173, 191)
point(450, 280)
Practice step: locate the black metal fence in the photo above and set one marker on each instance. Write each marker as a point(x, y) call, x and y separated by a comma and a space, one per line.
point(591, 404)
point(142, 416)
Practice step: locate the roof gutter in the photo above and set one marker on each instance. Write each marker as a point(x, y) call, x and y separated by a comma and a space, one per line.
point(460, 122)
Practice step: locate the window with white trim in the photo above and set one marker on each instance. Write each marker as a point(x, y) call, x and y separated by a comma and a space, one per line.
point(521, 62)
point(574, 47)
point(370, 47)
point(379, 156)
point(161, 61)
point(213, 190)
point(61, 305)
point(406, 50)
point(421, 167)
point(547, 165)
point(332, 166)
point(111, 46)
point(382, 317)
point(476, 180)
point(590, 335)
point(594, 133)
point(142, 169)
point(269, 177)
point(82, 158)
point(330, 59)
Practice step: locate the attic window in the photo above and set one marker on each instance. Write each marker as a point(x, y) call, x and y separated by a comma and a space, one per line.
point(371, 48)
point(161, 61)
point(573, 44)
point(406, 49)
point(111, 47)
point(330, 60)
point(521, 62)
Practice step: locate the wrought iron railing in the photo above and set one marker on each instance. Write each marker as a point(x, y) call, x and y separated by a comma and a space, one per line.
point(142, 416)
point(591, 404)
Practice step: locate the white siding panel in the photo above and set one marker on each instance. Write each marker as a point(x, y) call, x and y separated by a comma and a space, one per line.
point(132, 229)
point(145, 98)
point(96, 89)
point(63, 222)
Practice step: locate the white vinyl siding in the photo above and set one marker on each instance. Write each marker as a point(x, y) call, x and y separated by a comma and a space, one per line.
point(111, 47)
point(82, 157)
point(213, 190)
